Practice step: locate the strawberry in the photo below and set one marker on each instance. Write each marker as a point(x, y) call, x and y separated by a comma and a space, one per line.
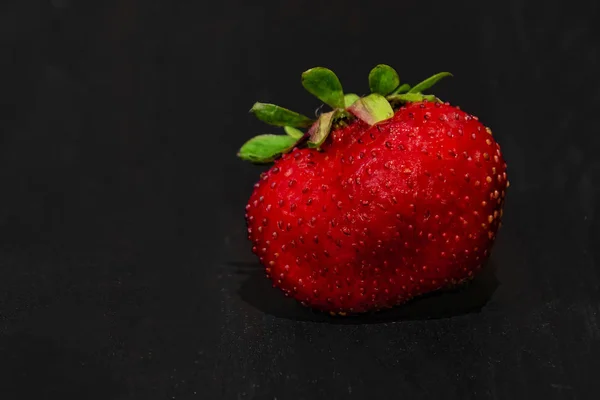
point(384, 198)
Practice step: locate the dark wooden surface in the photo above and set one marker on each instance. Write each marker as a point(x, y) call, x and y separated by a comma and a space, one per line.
point(125, 272)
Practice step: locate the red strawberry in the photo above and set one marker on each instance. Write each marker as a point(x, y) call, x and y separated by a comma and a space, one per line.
point(392, 204)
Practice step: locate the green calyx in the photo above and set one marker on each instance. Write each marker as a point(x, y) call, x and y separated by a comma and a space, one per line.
point(387, 92)
point(372, 109)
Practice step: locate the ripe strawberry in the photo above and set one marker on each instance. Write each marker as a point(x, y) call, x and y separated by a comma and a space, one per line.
point(382, 205)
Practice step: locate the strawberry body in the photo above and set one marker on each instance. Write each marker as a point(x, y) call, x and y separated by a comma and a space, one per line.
point(381, 213)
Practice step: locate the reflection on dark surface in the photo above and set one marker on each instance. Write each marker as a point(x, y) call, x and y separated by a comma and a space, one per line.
point(257, 291)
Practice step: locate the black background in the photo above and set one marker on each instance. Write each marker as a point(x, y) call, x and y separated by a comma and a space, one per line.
point(125, 272)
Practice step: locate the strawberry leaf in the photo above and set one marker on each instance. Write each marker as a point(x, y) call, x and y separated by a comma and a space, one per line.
point(429, 82)
point(320, 129)
point(293, 132)
point(383, 79)
point(325, 85)
point(411, 97)
point(372, 109)
point(405, 87)
point(265, 148)
point(279, 116)
point(349, 99)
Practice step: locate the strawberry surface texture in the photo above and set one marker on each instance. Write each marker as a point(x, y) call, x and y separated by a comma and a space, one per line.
point(381, 211)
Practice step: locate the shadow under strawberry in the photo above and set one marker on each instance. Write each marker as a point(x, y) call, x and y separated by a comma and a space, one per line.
point(471, 297)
